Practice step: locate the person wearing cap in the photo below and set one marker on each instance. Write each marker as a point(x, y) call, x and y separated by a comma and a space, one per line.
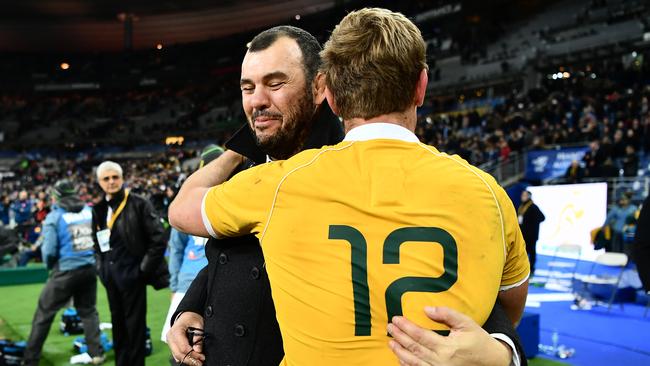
point(130, 246)
point(68, 253)
point(186, 253)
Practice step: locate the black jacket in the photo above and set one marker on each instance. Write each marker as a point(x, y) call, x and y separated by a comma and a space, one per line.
point(140, 230)
point(233, 292)
point(530, 224)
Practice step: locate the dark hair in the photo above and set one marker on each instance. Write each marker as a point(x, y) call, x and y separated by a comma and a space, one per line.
point(308, 44)
point(63, 188)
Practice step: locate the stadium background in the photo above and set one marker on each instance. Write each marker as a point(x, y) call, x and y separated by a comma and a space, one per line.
point(520, 88)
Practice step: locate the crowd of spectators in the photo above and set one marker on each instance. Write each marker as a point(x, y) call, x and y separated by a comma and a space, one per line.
point(614, 122)
point(581, 110)
point(115, 117)
point(26, 198)
point(604, 105)
point(613, 118)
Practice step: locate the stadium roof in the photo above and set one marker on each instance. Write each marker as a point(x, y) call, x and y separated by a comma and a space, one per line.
point(98, 25)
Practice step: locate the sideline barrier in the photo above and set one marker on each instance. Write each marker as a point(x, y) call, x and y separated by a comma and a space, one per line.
point(23, 275)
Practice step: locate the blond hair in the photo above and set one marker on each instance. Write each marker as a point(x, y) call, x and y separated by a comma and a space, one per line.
point(372, 63)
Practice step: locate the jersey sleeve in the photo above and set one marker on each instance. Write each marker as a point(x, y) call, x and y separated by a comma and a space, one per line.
point(241, 205)
point(517, 267)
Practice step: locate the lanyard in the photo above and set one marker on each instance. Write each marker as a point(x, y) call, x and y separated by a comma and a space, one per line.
point(523, 208)
point(118, 211)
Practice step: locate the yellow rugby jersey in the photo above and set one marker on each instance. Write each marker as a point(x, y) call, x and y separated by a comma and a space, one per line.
point(355, 233)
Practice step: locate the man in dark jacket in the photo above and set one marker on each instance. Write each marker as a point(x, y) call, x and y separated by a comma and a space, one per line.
point(574, 173)
point(642, 244)
point(130, 246)
point(68, 251)
point(230, 300)
point(250, 335)
point(530, 216)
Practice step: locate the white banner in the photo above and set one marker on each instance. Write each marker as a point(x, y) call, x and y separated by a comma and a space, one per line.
point(572, 211)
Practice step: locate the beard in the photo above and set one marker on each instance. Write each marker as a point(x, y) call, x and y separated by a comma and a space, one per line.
point(294, 129)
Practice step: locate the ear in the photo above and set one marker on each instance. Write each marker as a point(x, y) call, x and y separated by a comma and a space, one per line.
point(318, 88)
point(331, 101)
point(421, 88)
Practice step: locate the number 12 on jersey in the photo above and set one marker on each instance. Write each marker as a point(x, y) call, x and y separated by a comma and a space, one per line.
point(394, 292)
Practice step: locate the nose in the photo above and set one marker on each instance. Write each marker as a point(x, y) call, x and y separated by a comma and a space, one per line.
point(259, 99)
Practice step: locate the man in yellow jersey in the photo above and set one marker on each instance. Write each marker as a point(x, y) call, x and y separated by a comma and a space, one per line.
point(376, 226)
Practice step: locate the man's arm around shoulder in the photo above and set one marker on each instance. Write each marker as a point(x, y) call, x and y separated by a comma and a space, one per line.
point(185, 210)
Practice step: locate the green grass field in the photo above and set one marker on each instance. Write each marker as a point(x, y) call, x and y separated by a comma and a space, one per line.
point(17, 305)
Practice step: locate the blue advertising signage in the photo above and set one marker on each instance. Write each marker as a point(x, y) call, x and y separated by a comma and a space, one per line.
point(548, 164)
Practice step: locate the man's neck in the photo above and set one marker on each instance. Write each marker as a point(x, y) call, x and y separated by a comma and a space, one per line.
point(406, 120)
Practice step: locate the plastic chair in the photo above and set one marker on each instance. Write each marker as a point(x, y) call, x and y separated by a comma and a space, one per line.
point(611, 260)
point(572, 250)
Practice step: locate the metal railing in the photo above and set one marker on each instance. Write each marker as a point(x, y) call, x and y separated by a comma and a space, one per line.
point(637, 187)
point(507, 171)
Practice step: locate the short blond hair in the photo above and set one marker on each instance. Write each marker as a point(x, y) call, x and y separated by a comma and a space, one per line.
point(372, 63)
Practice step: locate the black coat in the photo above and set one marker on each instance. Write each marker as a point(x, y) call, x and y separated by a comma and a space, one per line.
point(530, 224)
point(233, 292)
point(140, 230)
